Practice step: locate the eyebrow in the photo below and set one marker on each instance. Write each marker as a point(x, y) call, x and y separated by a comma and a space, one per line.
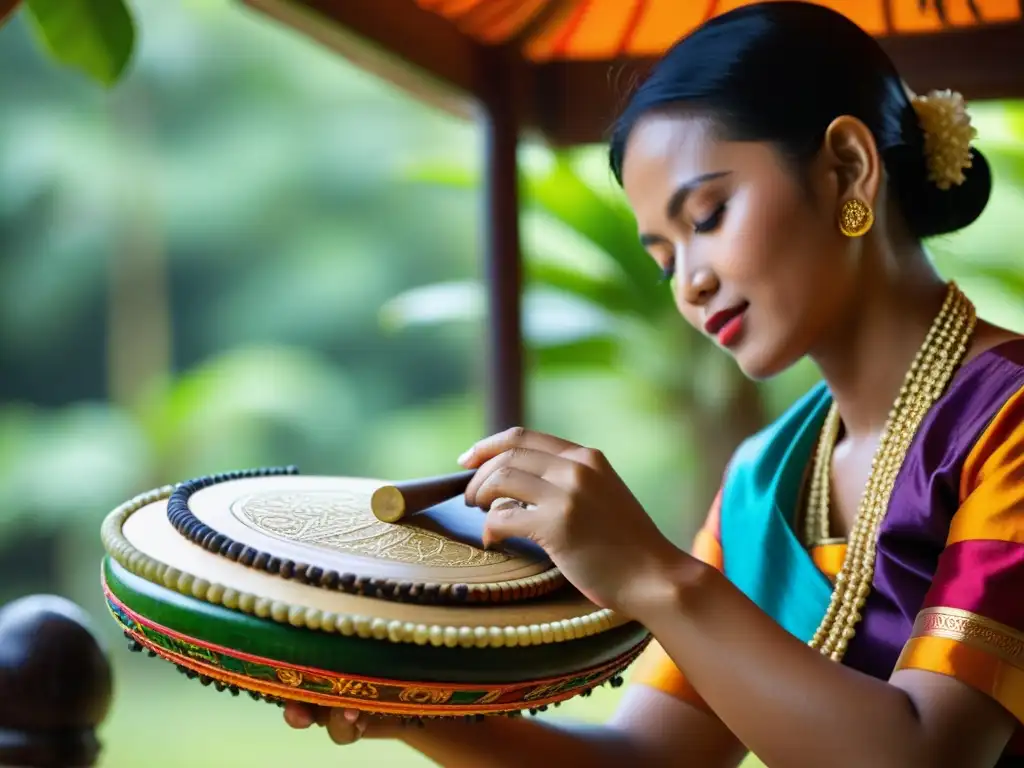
point(678, 198)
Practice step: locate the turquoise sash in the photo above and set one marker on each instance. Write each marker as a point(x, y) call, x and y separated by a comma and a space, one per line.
point(763, 556)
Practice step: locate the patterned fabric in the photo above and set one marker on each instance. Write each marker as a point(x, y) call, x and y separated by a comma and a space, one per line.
point(278, 681)
point(950, 563)
point(607, 29)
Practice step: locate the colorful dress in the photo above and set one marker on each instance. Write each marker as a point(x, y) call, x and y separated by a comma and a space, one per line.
point(948, 588)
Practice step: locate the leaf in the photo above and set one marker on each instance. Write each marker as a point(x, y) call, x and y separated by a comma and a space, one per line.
point(1007, 163)
point(562, 193)
point(550, 317)
point(611, 295)
point(557, 190)
point(1008, 279)
point(441, 174)
point(96, 37)
point(449, 302)
point(601, 352)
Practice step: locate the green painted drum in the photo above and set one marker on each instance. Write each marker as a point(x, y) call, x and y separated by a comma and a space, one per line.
point(288, 588)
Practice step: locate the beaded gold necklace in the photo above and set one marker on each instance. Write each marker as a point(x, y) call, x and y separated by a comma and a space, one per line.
point(930, 373)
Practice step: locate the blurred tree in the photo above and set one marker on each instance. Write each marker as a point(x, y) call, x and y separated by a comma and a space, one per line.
point(193, 262)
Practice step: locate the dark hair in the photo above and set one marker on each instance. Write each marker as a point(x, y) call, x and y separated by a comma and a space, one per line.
point(781, 72)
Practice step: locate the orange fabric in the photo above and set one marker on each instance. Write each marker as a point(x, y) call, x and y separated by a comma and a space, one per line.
point(606, 29)
point(654, 667)
point(989, 674)
point(992, 481)
point(501, 22)
point(829, 558)
point(955, 640)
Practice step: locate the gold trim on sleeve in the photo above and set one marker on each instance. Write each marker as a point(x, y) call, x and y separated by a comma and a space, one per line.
point(969, 628)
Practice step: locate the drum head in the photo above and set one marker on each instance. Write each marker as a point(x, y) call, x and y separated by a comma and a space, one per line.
point(321, 531)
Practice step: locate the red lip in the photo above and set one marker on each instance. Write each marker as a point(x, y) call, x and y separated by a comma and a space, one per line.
point(717, 321)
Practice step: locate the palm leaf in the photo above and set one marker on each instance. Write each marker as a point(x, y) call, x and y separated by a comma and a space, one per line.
point(561, 192)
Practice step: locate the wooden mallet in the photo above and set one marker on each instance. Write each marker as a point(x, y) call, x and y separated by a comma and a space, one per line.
point(391, 503)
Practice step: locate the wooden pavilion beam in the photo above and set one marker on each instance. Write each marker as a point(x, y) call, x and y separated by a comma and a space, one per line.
point(575, 102)
point(416, 50)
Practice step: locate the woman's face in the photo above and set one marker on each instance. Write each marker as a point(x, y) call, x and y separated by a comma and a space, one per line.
point(754, 253)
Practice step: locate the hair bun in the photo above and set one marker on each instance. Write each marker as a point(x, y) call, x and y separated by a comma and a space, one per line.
point(943, 183)
point(929, 210)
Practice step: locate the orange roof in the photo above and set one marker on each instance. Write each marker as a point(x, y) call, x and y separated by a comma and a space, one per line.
point(547, 30)
point(559, 66)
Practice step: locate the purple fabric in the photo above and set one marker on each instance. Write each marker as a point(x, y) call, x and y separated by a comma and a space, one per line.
point(924, 499)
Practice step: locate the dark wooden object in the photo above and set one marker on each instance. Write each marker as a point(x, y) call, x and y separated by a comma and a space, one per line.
point(55, 685)
point(391, 503)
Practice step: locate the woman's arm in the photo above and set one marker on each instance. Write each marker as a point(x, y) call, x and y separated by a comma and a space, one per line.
point(650, 728)
point(793, 707)
point(956, 704)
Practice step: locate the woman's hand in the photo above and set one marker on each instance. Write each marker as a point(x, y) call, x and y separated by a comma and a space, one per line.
point(575, 506)
point(344, 726)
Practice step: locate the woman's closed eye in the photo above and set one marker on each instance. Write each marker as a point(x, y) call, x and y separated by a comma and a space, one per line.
point(710, 223)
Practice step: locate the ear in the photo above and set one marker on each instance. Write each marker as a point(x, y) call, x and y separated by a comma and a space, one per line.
point(852, 154)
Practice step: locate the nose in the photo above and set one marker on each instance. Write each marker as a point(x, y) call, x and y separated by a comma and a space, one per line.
point(698, 286)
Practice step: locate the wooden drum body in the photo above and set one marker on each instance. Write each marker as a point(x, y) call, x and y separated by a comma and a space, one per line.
point(288, 588)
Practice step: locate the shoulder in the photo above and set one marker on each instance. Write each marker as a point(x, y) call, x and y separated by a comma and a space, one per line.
point(973, 419)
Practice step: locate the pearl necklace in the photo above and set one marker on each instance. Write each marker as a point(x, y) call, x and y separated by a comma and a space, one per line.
point(937, 360)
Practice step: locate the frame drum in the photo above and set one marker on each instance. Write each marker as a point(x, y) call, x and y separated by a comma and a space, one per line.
point(287, 587)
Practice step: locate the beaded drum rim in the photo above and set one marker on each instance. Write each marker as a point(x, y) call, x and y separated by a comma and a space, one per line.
point(454, 634)
point(199, 532)
point(354, 655)
point(276, 682)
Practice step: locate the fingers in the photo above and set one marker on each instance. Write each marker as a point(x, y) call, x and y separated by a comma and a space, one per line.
point(508, 482)
point(346, 726)
point(509, 520)
point(557, 470)
point(299, 715)
point(516, 437)
point(322, 715)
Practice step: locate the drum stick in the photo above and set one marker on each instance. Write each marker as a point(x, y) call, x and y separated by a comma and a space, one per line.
point(391, 503)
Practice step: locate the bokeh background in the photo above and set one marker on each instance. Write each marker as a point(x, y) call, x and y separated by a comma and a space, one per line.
point(252, 253)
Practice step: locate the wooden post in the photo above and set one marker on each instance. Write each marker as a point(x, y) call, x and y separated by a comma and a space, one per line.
point(55, 685)
point(7, 7)
point(503, 268)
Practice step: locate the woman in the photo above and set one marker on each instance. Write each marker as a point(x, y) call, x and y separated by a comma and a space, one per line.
point(850, 600)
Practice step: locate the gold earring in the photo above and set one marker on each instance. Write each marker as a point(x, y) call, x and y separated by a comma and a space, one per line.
point(855, 218)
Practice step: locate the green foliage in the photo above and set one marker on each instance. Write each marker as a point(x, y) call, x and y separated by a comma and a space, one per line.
point(588, 284)
point(95, 37)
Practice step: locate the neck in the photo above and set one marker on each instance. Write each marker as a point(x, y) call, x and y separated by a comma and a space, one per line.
point(865, 362)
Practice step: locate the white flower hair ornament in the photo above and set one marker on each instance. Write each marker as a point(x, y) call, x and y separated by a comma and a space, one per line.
point(948, 134)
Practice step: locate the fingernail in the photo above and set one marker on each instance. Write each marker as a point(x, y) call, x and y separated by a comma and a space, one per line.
point(464, 458)
point(351, 715)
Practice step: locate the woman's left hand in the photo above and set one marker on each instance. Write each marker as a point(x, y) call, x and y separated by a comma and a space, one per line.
point(577, 509)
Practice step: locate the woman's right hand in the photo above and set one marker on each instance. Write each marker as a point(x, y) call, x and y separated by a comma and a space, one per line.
point(344, 726)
